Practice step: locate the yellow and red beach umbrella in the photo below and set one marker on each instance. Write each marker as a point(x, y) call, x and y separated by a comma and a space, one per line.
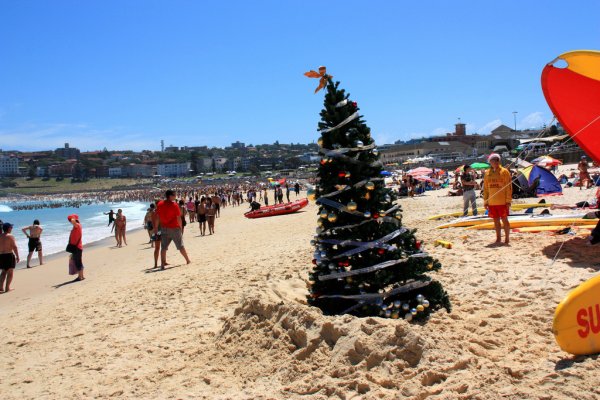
point(573, 94)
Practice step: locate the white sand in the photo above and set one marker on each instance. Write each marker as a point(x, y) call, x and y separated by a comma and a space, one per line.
point(234, 324)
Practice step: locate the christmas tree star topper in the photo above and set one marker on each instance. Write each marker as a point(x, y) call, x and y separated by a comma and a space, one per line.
point(322, 75)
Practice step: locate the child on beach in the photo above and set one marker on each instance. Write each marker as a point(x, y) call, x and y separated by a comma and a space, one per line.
point(35, 243)
point(9, 256)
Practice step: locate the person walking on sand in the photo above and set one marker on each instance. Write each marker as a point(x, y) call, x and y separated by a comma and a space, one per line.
point(497, 195)
point(75, 244)
point(216, 202)
point(297, 188)
point(191, 210)
point(35, 242)
point(183, 211)
point(155, 237)
point(121, 226)
point(148, 223)
point(201, 211)
point(287, 192)
point(469, 185)
point(169, 215)
point(211, 211)
point(9, 256)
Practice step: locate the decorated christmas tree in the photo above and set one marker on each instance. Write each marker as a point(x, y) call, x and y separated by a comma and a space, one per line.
point(365, 262)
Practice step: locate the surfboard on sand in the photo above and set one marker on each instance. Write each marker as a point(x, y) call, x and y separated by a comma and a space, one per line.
point(470, 221)
point(542, 220)
point(548, 228)
point(576, 324)
point(481, 210)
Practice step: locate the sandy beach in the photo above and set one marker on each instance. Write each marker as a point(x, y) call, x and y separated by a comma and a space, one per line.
point(234, 323)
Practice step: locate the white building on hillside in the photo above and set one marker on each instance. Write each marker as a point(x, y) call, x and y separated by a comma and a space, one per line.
point(115, 172)
point(174, 170)
point(9, 166)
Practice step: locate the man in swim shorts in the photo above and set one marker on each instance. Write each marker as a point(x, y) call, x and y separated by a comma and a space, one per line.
point(497, 195)
point(9, 256)
point(169, 215)
point(34, 233)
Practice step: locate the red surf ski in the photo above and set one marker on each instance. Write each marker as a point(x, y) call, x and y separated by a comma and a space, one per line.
point(278, 209)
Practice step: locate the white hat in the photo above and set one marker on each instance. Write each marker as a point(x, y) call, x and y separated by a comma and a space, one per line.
point(494, 155)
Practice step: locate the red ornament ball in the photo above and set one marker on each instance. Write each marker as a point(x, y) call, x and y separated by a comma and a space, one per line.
point(314, 261)
point(381, 251)
point(354, 104)
point(342, 174)
point(418, 245)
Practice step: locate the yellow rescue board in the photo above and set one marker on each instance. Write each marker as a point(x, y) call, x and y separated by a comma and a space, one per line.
point(481, 210)
point(536, 229)
point(539, 222)
point(576, 324)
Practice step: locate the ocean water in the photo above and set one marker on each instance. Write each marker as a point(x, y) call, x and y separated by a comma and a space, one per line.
point(56, 227)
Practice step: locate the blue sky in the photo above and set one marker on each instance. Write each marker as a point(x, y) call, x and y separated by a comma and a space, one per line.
point(126, 74)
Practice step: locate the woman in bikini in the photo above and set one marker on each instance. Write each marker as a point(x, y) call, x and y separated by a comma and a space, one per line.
point(211, 211)
point(120, 227)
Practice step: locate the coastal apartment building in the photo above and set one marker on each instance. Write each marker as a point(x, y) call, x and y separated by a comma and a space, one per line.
point(67, 152)
point(173, 170)
point(398, 153)
point(9, 166)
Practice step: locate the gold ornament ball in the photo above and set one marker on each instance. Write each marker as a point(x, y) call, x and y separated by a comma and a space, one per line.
point(395, 315)
point(311, 194)
point(320, 142)
point(430, 266)
point(352, 206)
point(332, 217)
point(349, 279)
point(348, 174)
point(367, 196)
point(370, 186)
point(323, 214)
point(420, 307)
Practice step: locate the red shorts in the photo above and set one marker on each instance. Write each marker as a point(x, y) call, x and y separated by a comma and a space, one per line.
point(497, 211)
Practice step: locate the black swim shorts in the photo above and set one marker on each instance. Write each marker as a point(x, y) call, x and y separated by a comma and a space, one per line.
point(7, 261)
point(35, 244)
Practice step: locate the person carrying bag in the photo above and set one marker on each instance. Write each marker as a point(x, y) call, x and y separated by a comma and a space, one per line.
point(75, 246)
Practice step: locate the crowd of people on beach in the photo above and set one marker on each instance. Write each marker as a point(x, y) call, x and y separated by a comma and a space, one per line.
point(233, 193)
point(165, 220)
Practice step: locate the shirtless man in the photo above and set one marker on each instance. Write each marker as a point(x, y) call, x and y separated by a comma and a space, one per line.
point(216, 201)
point(35, 244)
point(9, 256)
point(111, 219)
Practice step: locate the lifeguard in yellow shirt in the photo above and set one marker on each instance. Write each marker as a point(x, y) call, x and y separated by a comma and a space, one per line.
point(497, 195)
